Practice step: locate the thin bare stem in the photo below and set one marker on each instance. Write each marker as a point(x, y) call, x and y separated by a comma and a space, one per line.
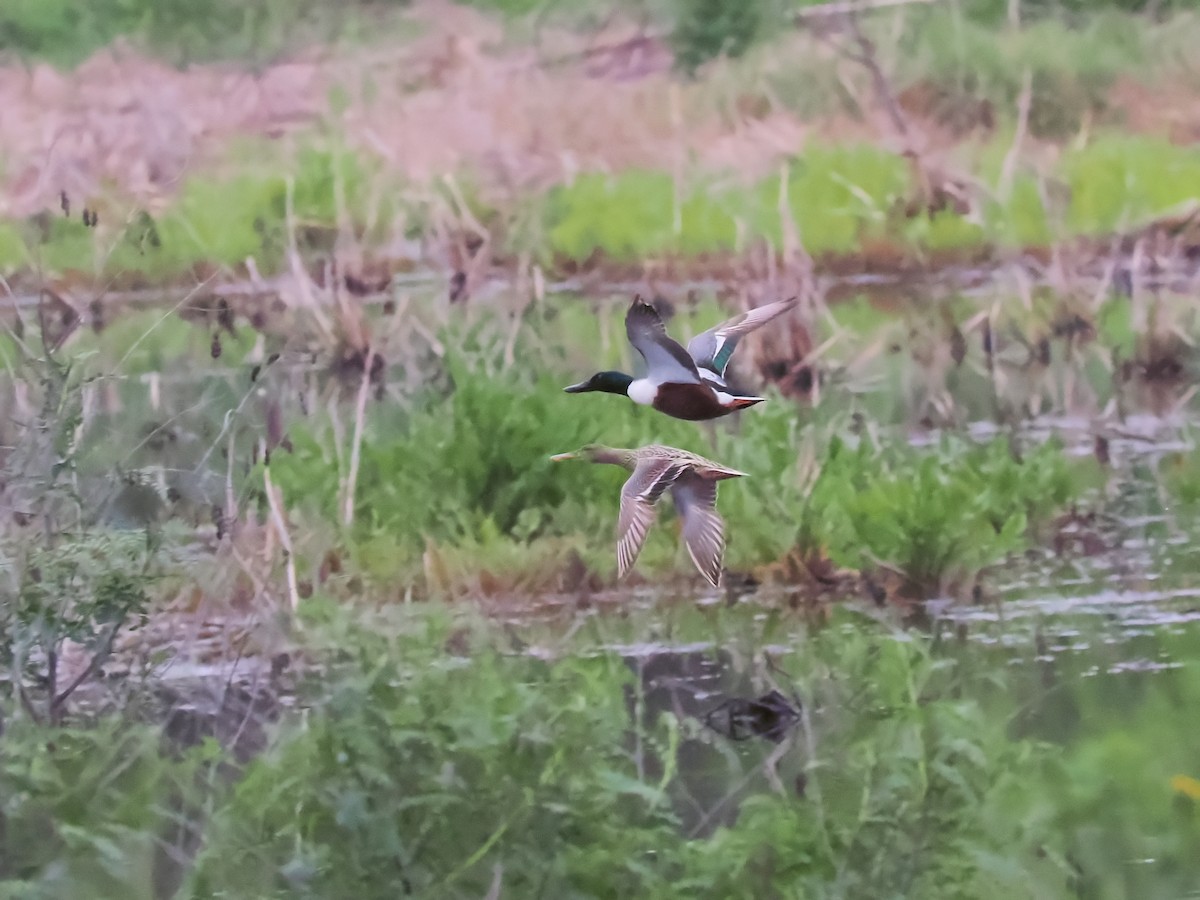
point(360, 416)
point(187, 298)
point(866, 56)
point(275, 503)
point(98, 659)
point(497, 883)
point(299, 274)
point(27, 704)
point(1007, 172)
point(230, 512)
point(52, 681)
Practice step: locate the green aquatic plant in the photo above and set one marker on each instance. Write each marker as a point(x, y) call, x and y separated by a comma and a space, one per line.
point(707, 29)
point(967, 60)
point(633, 213)
point(91, 806)
point(935, 518)
point(434, 772)
point(452, 773)
point(1119, 181)
point(432, 752)
point(470, 464)
point(480, 452)
point(181, 31)
point(835, 196)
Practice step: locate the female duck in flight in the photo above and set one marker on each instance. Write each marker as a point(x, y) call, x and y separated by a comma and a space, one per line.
point(692, 481)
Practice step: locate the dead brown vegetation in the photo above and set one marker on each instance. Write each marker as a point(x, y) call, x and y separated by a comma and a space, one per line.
point(460, 99)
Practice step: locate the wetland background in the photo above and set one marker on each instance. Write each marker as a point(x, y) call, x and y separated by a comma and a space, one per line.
point(293, 601)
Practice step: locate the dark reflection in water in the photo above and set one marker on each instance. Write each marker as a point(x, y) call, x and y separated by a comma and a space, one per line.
point(740, 738)
point(687, 683)
point(770, 716)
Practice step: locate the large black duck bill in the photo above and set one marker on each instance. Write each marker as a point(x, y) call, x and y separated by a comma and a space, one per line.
point(607, 382)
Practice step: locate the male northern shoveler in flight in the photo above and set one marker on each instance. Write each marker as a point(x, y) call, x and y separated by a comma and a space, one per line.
point(686, 384)
point(692, 481)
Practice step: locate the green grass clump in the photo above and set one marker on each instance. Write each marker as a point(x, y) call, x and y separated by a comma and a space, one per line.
point(85, 806)
point(431, 754)
point(468, 469)
point(442, 772)
point(61, 30)
point(1179, 477)
point(1137, 727)
point(1021, 220)
point(706, 29)
point(63, 245)
point(935, 516)
point(12, 248)
point(1071, 66)
point(216, 222)
point(1117, 182)
point(839, 200)
point(476, 461)
point(532, 772)
point(835, 197)
point(212, 223)
point(632, 214)
point(182, 31)
point(225, 222)
point(1113, 183)
point(437, 771)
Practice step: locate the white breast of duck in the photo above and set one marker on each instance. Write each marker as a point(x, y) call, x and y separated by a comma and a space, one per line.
point(643, 391)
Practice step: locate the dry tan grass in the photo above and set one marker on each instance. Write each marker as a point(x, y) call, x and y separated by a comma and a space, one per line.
point(126, 122)
point(519, 122)
point(1171, 107)
point(459, 98)
point(455, 99)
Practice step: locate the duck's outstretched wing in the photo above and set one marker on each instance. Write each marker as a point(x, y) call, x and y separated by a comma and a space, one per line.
point(712, 349)
point(643, 489)
point(703, 530)
point(666, 360)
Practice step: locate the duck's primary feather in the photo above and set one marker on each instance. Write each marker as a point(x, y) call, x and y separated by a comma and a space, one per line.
point(703, 531)
point(711, 350)
point(666, 360)
point(640, 493)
